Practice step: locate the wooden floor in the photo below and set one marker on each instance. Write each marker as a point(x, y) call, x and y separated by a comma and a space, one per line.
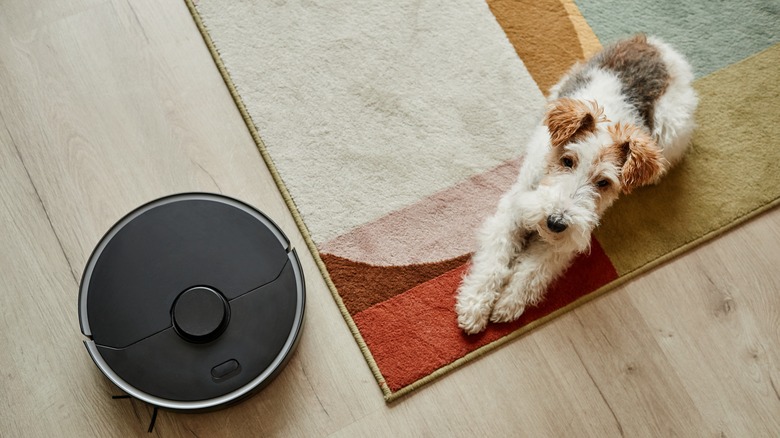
point(107, 104)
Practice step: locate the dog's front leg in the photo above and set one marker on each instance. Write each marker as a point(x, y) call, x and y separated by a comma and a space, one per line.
point(501, 237)
point(532, 273)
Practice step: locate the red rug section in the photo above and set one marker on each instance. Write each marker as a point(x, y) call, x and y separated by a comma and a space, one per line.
point(415, 333)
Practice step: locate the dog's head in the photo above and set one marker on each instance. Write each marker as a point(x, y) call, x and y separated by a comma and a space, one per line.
point(590, 163)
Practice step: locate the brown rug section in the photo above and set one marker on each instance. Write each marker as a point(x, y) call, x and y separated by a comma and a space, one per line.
point(543, 34)
point(362, 285)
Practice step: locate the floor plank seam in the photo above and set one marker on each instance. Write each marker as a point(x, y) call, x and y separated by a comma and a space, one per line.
point(213, 180)
point(138, 21)
point(617, 421)
point(40, 200)
point(314, 391)
point(772, 382)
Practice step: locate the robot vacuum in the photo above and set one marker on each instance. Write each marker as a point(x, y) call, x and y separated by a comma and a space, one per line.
point(192, 302)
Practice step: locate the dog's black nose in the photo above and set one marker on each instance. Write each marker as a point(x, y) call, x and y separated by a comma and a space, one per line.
point(556, 224)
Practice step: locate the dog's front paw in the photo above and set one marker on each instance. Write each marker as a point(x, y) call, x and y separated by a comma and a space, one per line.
point(473, 316)
point(476, 296)
point(508, 308)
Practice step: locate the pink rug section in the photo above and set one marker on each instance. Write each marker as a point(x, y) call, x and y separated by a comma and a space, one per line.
point(441, 226)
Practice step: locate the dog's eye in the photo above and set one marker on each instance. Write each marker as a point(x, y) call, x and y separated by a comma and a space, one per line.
point(567, 162)
point(603, 183)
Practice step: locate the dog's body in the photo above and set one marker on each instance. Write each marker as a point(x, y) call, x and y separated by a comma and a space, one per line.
point(613, 124)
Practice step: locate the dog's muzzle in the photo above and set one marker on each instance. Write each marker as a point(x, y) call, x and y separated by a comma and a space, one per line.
point(556, 224)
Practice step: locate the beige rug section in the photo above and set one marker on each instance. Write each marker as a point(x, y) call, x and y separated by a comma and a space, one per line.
point(436, 85)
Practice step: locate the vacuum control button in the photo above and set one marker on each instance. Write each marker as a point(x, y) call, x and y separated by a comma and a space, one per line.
point(225, 369)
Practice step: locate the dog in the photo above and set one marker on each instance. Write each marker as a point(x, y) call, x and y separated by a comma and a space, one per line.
point(614, 123)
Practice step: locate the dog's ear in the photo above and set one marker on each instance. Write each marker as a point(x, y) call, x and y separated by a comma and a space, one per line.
point(567, 119)
point(643, 162)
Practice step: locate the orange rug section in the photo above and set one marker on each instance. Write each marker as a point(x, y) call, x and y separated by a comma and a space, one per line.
point(424, 319)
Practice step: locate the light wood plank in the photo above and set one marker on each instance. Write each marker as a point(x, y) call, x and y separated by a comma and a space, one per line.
point(715, 314)
point(129, 114)
point(48, 383)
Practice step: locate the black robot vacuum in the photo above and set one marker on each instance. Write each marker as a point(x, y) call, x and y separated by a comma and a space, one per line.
point(192, 302)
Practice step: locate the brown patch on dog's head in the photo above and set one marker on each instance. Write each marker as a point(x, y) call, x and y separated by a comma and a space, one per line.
point(567, 119)
point(643, 163)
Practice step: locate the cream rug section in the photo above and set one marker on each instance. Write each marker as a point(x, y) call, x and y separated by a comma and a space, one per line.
point(367, 107)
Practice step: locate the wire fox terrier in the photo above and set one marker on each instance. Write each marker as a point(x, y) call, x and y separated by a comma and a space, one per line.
point(614, 123)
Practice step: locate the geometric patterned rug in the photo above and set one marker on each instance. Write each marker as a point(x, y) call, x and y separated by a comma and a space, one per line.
point(392, 128)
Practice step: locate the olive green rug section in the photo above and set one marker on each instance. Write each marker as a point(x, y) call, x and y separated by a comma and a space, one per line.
point(731, 172)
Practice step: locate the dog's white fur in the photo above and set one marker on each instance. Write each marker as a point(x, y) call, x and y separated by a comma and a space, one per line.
point(518, 254)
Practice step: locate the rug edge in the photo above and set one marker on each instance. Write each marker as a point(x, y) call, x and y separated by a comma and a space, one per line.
point(286, 196)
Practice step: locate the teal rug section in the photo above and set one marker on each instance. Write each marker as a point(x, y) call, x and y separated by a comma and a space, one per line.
point(712, 34)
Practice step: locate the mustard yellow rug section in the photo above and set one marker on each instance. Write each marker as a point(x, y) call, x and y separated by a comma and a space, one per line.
point(732, 170)
point(548, 35)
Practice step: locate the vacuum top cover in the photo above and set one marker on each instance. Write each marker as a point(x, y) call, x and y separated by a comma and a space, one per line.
point(192, 302)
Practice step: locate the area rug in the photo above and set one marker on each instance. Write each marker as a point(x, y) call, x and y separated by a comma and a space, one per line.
point(392, 128)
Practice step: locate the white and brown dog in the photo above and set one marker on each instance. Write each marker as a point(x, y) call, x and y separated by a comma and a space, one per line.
point(614, 123)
